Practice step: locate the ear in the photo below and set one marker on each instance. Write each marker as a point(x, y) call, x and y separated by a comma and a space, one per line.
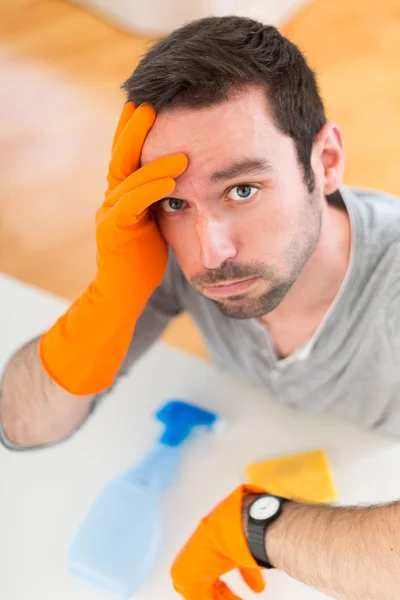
point(327, 158)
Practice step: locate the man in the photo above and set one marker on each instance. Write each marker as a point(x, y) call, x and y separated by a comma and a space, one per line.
point(293, 279)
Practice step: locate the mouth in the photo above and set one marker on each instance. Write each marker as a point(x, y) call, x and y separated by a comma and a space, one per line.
point(230, 289)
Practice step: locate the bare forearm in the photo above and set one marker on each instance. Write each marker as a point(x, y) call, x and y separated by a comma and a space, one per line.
point(34, 410)
point(348, 553)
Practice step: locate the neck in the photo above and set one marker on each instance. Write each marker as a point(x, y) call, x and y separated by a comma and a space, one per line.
point(323, 274)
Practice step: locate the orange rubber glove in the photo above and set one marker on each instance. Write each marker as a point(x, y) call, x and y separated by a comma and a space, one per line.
point(217, 546)
point(85, 348)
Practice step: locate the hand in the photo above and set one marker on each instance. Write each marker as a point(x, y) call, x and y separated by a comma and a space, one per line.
point(216, 547)
point(130, 246)
point(85, 348)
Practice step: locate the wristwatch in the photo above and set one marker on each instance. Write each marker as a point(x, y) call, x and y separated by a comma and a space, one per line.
point(263, 511)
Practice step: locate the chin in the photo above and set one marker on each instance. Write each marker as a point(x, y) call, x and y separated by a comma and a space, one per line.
point(245, 307)
point(238, 308)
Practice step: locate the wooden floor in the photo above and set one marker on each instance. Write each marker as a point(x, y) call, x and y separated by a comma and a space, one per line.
point(60, 71)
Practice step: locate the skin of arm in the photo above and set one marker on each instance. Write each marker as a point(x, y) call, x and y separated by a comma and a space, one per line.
point(350, 553)
point(34, 410)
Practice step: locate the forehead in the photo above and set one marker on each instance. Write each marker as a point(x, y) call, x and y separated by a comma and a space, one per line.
point(209, 136)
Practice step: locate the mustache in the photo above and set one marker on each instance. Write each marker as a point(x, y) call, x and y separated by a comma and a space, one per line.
point(229, 271)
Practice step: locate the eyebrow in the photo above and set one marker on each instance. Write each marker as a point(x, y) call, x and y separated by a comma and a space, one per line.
point(248, 166)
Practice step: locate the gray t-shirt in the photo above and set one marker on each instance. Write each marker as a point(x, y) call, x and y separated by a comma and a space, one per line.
point(350, 367)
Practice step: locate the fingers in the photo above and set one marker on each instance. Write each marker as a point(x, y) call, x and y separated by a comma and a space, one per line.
point(126, 114)
point(220, 591)
point(126, 153)
point(253, 578)
point(217, 591)
point(130, 207)
point(170, 166)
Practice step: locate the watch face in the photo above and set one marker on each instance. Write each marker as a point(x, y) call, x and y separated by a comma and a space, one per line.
point(264, 508)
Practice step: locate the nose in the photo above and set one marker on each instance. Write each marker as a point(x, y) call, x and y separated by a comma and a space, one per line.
point(215, 240)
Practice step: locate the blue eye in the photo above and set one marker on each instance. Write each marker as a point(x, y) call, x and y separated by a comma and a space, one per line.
point(242, 192)
point(171, 205)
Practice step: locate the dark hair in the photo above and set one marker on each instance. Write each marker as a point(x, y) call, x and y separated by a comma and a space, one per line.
point(207, 61)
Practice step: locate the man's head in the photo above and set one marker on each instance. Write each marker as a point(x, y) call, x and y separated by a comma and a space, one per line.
point(240, 101)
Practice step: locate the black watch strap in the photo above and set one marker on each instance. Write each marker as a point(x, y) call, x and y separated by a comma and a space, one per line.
point(256, 531)
point(256, 543)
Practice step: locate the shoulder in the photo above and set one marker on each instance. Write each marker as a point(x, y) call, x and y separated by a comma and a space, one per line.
point(384, 199)
point(174, 277)
point(169, 296)
point(379, 211)
point(392, 308)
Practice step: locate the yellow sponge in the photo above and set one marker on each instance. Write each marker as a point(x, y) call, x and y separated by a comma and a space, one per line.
point(303, 477)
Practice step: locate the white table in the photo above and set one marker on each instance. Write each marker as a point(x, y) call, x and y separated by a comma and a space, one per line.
point(44, 494)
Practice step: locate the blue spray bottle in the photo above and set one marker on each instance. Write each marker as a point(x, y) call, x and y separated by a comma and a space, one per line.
point(116, 544)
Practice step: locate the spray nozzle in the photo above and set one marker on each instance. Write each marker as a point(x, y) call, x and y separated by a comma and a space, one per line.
point(180, 418)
